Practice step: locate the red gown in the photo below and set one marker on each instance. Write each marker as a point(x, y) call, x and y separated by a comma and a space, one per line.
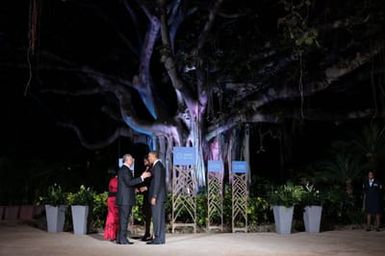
point(112, 222)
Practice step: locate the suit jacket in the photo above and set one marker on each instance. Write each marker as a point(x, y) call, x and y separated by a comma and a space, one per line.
point(126, 186)
point(158, 182)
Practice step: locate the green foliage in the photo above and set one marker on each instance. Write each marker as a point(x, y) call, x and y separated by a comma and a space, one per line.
point(227, 205)
point(260, 186)
point(311, 196)
point(137, 209)
point(340, 208)
point(295, 24)
point(286, 195)
point(202, 209)
point(99, 210)
point(342, 166)
point(54, 196)
point(371, 143)
point(84, 196)
point(258, 209)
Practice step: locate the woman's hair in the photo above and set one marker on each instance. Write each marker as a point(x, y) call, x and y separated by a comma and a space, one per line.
point(112, 171)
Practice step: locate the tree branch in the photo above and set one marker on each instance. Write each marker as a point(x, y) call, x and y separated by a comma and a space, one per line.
point(144, 85)
point(169, 63)
point(86, 92)
point(274, 118)
point(144, 8)
point(331, 74)
point(202, 91)
point(121, 131)
point(134, 19)
point(238, 119)
point(176, 19)
point(206, 29)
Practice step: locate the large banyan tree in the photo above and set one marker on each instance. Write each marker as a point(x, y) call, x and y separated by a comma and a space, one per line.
point(201, 73)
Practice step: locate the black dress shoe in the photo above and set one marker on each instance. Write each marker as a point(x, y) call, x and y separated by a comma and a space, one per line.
point(146, 238)
point(154, 242)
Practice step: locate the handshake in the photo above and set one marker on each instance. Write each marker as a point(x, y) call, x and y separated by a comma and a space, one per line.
point(145, 174)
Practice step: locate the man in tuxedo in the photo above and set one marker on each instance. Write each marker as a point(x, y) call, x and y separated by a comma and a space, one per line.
point(125, 197)
point(146, 206)
point(157, 196)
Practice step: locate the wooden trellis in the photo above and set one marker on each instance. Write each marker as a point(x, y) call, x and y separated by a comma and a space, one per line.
point(183, 197)
point(240, 196)
point(215, 200)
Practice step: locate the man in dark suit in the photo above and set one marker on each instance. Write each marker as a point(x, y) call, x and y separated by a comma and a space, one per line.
point(146, 206)
point(157, 196)
point(125, 197)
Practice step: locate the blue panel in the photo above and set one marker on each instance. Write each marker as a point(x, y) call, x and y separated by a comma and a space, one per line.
point(214, 166)
point(239, 167)
point(184, 156)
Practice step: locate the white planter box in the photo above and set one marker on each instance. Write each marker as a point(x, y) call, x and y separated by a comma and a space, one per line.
point(283, 217)
point(55, 217)
point(312, 218)
point(79, 219)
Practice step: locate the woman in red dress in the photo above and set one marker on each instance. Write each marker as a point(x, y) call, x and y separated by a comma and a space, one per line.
point(112, 222)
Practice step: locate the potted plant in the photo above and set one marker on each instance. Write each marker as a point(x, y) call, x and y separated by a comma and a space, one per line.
point(313, 209)
point(80, 202)
point(55, 207)
point(283, 199)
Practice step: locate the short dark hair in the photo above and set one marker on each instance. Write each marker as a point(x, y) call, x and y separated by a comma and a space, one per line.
point(371, 171)
point(155, 153)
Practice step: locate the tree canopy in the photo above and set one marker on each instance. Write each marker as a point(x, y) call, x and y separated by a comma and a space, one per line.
point(185, 72)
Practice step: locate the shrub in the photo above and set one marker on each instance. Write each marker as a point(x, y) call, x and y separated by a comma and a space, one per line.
point(286, 195)
point(84, 196)
point(54, 196)
point(99, 210)
point(311, 196)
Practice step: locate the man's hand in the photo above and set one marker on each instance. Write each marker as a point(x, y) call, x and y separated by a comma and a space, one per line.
point(153, 201)
point(145, 175)
point(142, 189)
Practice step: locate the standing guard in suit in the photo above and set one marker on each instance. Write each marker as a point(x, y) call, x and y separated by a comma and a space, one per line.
point(157, 196)
point(125, 197)
point(373, 200)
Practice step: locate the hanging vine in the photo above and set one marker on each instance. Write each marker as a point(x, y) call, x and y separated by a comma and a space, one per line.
point(300, 84)
point(34, 19)
point(297, 32)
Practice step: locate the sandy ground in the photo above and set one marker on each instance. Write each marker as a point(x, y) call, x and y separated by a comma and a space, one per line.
point(19, 239)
